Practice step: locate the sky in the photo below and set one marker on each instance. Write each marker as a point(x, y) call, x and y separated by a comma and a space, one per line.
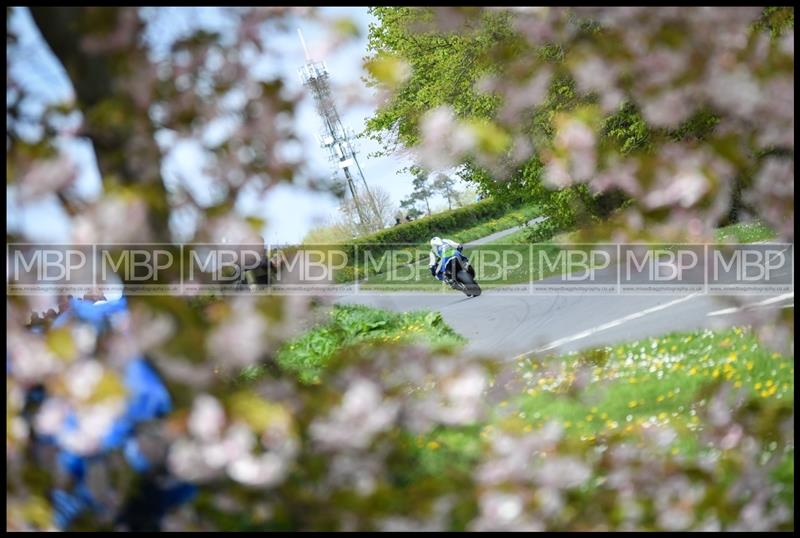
point(291, 211)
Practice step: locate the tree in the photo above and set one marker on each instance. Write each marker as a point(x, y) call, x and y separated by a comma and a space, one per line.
point(423, 190)
point(466, 197)
point(443, 67)
point(378, 199)
point(445, 185)
point(465, 62)
point(333, 232)
point(566, 96)
point(411, 209)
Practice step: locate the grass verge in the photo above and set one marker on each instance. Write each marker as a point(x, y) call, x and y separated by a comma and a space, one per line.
point(307, 355)
point(654, 381)
point(626, 389)
point(664, 381)
point(745, 232)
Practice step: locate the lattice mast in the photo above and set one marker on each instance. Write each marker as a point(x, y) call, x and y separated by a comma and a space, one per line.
point(335, 138)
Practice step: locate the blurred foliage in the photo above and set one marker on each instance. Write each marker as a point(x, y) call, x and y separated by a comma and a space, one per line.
point(777, 20)
point(622, 122)
point(627, 129)
point(560, 41)
point(443, 67)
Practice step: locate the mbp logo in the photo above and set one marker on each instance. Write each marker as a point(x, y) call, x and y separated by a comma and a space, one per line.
point(220, 263)
point(397, 262)
point(755, 268)
point(494, 263)
point(46, 264)
point(662, 268)
point(568, 268)
point(134, 264)
point(308, 265)
point(48, 268)
point(575, 264)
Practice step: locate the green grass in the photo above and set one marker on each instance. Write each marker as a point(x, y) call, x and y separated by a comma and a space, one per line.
point(745, 232)
point(526, 259)
point(663, 381)
point(518, 217)
point(419, 252)
point(742, 232)
point(654, 381)
point(496, 264)
point(307, 355)
point(633, 386)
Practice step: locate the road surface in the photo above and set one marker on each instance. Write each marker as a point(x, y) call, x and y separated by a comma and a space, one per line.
point(511, 324)
point(513, 321)
point(508, 325)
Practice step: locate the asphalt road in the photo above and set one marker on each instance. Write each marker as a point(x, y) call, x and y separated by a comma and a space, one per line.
point(508, 323)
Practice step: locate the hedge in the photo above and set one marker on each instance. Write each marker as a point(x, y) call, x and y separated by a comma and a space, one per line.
point(440, 224)
point(454, 220)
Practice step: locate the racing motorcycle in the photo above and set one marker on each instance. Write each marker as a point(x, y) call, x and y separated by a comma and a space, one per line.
point(459, 273)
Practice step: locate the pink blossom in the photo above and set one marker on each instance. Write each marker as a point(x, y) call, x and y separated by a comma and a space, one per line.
point(264, 470)
point(207, 418)
point(669, 108)
point(47, 177)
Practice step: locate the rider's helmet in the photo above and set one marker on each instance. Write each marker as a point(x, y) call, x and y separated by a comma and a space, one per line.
point(436, 242)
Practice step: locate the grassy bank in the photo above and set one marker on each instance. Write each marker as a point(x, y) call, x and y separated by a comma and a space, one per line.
point(412, 248)
point(634, 387)
point(745, 232)
point(350, 325)
point(653, 381)
point(604, 397)
point(512, 260)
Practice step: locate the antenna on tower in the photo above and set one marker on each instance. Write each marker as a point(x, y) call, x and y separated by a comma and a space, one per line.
point(303, 41)
point(335, 138)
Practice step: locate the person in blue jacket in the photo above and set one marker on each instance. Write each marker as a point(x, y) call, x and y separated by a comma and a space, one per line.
point(148, 399)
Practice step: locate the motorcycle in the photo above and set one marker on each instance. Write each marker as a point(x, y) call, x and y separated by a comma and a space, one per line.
point(459, 273)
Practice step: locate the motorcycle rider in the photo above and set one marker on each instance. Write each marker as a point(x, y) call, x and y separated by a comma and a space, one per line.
point(264, 273)
point(438, 246)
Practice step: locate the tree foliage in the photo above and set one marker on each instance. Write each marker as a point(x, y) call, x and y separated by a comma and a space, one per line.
point(603, 97)
point(422, 193)
point(444, 67)
point(445, 185)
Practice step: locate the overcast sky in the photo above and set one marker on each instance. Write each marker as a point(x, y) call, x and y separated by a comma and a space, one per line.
point(291, 211)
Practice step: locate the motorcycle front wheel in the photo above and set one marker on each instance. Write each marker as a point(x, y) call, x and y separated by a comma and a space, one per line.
point(470, 287)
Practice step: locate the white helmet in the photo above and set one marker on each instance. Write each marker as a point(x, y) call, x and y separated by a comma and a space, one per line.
point(436, 242)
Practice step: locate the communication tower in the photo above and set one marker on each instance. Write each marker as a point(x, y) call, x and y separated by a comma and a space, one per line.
point(335, 138)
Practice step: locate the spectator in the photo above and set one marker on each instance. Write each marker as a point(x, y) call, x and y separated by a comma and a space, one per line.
point(147, 399)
